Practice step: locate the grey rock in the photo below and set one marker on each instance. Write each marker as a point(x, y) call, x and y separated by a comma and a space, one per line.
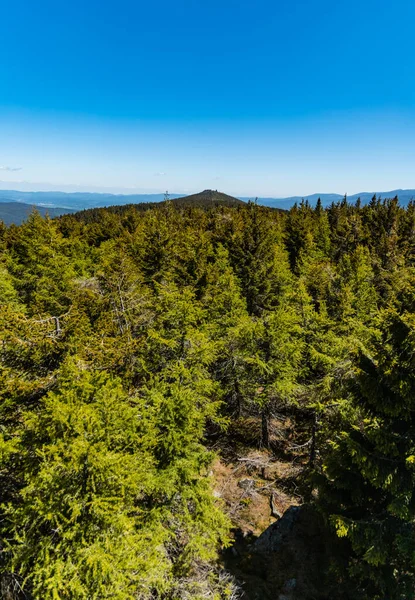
point(247, 484)
point(273, 537)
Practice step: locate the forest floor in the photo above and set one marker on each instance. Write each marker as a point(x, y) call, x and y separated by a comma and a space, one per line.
point(256, 486)
point(250, 479)
point(250, 485)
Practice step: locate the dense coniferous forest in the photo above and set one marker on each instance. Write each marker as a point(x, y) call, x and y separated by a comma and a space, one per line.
point(136, 346)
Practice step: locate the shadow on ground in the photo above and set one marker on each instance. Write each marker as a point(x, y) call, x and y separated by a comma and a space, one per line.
point(290, 560)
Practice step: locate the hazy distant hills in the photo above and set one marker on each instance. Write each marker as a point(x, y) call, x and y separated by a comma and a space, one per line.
point(15, 205)
point(78, 200)
point(286, 203)
point(404, 197)
point(17, 212)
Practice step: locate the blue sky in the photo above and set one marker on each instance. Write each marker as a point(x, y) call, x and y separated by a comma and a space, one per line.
point(253, 98)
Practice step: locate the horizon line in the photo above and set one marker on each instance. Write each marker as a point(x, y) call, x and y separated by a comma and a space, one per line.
point(141, 192)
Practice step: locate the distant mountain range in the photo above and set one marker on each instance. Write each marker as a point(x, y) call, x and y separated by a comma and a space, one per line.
point(78, 200)
point(326, 199)
point(17, 212)
point(15, 206)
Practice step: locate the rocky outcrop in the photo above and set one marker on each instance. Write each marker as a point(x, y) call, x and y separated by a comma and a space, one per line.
point(294, 552)
point(290, 560)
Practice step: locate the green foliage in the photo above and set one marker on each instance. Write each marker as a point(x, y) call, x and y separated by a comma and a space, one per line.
point(369, 480)
point(259, 260)
point(86, 464)
point(131, 336)
point(43, 265)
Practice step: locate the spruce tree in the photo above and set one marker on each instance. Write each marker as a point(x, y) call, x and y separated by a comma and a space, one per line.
point(368, 488)
point(273, 359)
point(44, 265)
point(230, 327)
point(260, 260)
point(85, 460)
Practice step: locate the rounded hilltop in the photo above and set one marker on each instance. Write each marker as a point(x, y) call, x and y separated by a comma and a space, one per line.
point(210, 197)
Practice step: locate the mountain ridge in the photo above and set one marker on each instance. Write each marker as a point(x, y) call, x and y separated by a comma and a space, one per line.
point(17, 212)
point(405, 196)
point(16, 205)
point(208, 197)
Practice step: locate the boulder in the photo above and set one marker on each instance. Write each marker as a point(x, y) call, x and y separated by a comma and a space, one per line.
point(291, 559)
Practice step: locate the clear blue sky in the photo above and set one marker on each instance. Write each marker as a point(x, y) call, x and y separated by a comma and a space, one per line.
point(258, 98)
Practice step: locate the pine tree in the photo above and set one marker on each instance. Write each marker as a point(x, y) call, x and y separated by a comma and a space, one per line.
point(85, 461)
point(184, 397)
point(299, 231)
point(8, 292)
point(154, 243)
point(357, 297)
point(273, 364)
point(322, 229)
point(260, 260)
point(368, 487)
point(43, 265)
point(222, 297)
point(230, 327)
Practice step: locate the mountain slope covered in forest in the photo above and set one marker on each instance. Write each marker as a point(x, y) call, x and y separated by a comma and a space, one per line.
point(66, 202)
point(210, 198)
point(208, 403)
point(17, 212)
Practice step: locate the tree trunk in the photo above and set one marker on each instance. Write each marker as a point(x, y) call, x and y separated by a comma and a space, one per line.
point(265, 427)
point(313, 441)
